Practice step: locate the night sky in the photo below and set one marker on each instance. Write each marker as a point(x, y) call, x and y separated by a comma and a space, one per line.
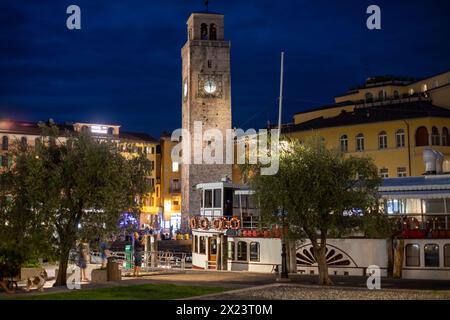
point(124, 65)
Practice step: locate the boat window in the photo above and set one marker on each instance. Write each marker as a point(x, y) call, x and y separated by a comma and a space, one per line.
point(251, 205)
point(434, 206)
point(242, 251)
point(195, 244)
point(254, 251)
point(208, 199)
point(447, 255)
point(431, 255)
point(228, 202)
point(202, 245)
point(217, 198)
point(231, 250)
point(412, 255)
point(235, 201)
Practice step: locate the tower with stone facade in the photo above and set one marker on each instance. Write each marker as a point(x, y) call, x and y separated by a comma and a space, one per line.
point(206, 98)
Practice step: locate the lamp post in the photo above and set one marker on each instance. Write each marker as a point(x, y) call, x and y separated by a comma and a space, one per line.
point(284, 270)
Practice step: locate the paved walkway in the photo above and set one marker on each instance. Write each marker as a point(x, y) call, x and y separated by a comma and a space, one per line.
point(243, 280)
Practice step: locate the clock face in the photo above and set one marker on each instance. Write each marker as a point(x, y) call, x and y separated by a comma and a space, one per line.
point(210, 86)
point(185, 89)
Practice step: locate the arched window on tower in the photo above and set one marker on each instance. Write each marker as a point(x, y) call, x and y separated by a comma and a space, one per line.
point(212, 32)
point(421, 137)
point(204, 31)
point(435, 137)
point(445, 137)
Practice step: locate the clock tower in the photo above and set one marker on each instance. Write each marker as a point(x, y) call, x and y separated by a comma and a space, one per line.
point(206, 98)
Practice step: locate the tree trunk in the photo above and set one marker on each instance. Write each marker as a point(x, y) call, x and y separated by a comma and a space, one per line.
point(61, 280)
point(324, 278)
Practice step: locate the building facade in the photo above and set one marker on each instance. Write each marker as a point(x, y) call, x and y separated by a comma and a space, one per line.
point(391, 120)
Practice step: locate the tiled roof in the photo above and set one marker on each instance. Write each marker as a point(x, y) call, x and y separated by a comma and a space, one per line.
point(409, 110)
point(137, 136)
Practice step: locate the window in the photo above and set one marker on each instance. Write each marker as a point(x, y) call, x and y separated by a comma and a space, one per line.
point(212, 32)
point(434, 206)
point(5, 143)
point(195, 244)
point(384, 173)
point(435, 137)
point(231, 250)
point(110, 131)
point(382, 140)
point(435, 83)
point(24, 142)
point(209, 64)
point(152, 165)
point(412, 255)
point(401, 172)
point(175, 166)
point(254, 251)
point(208, 199)
point(344, 143)
point(445, 137)
point(360, 142)
point(37, 141)
point(447, 255)
point(204, 31)
point(369, 97)
point(213, 246)
point(381, 95)
point(421, 136)
point(411, 91)
point(431, 255)
point(396, 94)
point(400, 138)
point(424, 87)
point(217, 198)
point(242, 251)
point(4, 160)
point(202, 245)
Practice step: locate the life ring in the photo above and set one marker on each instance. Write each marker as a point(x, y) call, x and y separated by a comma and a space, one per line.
point(204, 223)
point(216, 224)
point(193, 223)
point(223, 224)
point(235, 223)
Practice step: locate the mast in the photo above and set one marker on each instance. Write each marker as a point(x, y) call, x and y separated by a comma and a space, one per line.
point(280, 105)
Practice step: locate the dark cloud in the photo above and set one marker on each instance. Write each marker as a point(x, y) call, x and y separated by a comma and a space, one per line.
point(124, 65)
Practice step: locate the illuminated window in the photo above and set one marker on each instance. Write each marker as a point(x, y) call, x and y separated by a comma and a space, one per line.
point(175, 166)
point(411, 91)
point(382, 140)
point(384, 173)
point(424, 87)
point(400, 138)
point(401, 172)
point(360, 142)
point(413, 255)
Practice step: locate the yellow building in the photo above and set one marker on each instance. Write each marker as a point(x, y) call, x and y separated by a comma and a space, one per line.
point(170, 184)
point(389, 119)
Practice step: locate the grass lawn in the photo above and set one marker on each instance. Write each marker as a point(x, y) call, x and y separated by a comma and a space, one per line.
point(137, 292)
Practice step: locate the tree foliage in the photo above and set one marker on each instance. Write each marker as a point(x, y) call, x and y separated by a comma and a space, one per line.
point(71, 187)
point(323, 193)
